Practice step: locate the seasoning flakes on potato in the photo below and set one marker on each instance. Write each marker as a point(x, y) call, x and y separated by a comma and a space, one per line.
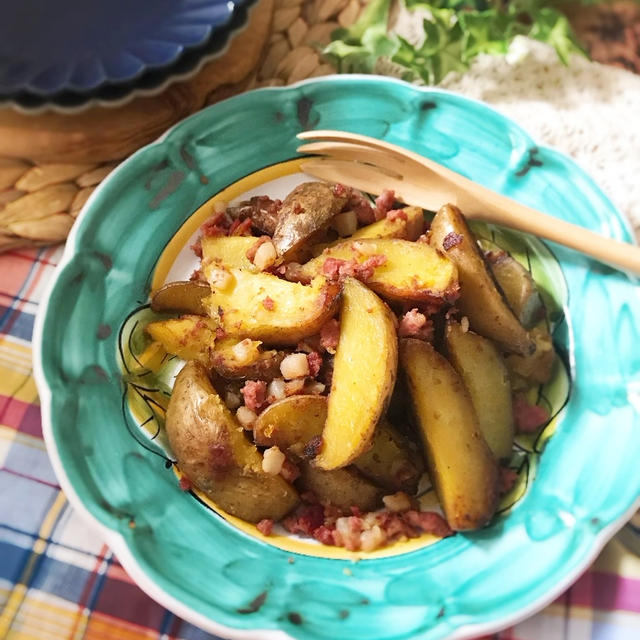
point(295, 326)
point(364, 373)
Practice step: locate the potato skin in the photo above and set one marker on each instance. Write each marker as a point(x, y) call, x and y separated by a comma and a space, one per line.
point(212, 452)
point(262, 210)
point(538, 367)
point(486, 377)
point(480, 300)
point(343, 488)
point(307, 210)
point(293, 422)
point(181, 297)
point(364, 374)
point(518, 287)
point(391, 462)
point(460, 464)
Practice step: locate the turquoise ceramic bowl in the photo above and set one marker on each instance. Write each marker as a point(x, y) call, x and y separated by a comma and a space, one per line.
point(238, 586)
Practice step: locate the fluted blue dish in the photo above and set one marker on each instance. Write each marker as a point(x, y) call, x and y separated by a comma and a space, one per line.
point(582, 482)
point(80, 45)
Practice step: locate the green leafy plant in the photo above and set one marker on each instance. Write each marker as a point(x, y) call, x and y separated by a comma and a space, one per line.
point(455, 32)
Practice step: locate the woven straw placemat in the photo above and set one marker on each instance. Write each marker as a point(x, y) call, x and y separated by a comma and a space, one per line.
point(39, 200)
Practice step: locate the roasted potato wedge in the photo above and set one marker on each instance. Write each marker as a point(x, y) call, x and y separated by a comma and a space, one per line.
point(460, 464)
point(391, 462)
point(181, 297)
point(211, 450)
point(188, 337)
point(517, 284)
point(263, 307)
point(343, 488)
point(262, 210)
point(486, 377)
point(536, 368)
point(226, 251)
point(364, 373)
point(307, 210)
point(409, 227)
point(411, 272)
point(291, 423)
point(480, 299)
point(244, 359)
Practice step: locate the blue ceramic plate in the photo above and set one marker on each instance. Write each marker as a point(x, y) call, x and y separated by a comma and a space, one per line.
point(579, 480)
point(76, 46)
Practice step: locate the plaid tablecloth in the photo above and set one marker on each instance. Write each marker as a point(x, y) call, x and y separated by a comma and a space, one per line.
point(58, 580)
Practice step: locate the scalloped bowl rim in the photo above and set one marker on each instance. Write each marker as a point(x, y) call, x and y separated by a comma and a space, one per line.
point(117, 542)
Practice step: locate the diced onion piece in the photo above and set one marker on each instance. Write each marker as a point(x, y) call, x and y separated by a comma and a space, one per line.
point(464, 324)
point(220, 278)
point(265, 256)
point(373, 538)
point(245, 351)
point(315, 388)
point(399, 501)
point(365, 248)
point(294, 365)
point(232, 400)
point(272, 461)
point(276, 390)
point(345, 223)
point(246, 417)
point(292, 387)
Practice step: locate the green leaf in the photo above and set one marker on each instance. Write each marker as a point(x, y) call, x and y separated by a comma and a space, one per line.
point(487, 32)
point(552, 27)
point(357, 49)
point(455, 32)
point(441, 51)
point(375, 14)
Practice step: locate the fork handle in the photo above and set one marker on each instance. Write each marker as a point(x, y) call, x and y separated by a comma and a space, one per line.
point(492, 207)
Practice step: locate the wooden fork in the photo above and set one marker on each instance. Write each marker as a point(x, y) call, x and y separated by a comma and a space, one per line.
point(373, 165)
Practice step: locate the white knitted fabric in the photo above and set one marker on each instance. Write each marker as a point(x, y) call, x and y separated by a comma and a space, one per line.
point(587, 110)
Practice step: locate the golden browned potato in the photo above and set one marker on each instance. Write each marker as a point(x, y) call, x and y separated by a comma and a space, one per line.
point(460, 464)
point(364, 373)
point(181, 297)
point(411, 271)
point(188, 337)
point(307, 210)
point(241, 359)
point(228, 251)
point(536, 368)
point(343, 488)
point(486, 377)
point(391, 462)
point(291, 424)
point(410, 228)
point(264, 307)
point(480, 300)
point(212, 451)
point(518, 286)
